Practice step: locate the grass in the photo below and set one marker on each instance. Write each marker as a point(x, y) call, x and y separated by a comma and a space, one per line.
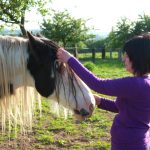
point(53, 133)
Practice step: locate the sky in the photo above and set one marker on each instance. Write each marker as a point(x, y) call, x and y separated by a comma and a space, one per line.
point(101, 14)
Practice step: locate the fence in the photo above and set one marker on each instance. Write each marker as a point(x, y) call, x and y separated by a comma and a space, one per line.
point(94, 52)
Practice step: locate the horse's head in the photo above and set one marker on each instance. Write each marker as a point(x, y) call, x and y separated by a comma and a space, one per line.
point(57, 80)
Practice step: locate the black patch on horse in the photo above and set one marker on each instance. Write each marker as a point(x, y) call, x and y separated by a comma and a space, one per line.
point(41, 64)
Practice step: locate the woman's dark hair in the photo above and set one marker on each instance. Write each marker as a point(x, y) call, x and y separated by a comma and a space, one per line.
point(138, 51)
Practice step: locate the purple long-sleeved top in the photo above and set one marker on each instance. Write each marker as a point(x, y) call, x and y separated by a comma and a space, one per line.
point(131, 124)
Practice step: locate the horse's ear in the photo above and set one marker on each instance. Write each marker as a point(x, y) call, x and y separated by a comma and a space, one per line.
point(29, 34)
point(32, 39)
point(35, 45)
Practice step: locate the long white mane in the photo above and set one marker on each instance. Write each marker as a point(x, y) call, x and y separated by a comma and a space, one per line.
point(16, 107)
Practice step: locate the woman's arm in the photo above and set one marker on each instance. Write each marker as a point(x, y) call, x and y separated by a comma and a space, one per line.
point(113, 87)
point(106, 104)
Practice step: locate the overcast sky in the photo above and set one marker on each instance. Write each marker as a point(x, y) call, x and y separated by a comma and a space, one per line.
point(103, 14)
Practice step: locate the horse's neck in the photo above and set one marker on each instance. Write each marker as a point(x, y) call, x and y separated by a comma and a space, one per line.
point(13, 59)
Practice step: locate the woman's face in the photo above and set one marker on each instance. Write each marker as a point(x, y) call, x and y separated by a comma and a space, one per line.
point(128, 63)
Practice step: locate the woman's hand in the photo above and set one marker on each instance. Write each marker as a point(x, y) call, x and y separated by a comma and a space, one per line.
point(63, 55)
point(97, 99)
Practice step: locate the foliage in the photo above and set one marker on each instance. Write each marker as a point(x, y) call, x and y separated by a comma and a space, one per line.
point(90, 66)
point(119, 34)
point(142, 25)
point(96, 44)
point(126, 29)
point(13, 11)
point(64, 28)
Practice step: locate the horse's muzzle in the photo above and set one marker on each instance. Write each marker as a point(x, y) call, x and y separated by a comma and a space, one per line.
point(83, 112)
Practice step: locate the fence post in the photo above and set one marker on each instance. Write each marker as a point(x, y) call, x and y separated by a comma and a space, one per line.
point(120, 54)
point(110, 53)
point(103, 52)
point(76, 52)
point(93, 55)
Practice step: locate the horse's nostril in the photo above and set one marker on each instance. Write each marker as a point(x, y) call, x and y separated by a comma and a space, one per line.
point(84, 112)
point(76, 111)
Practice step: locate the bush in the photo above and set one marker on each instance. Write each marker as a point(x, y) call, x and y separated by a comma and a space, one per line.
point(90, 66)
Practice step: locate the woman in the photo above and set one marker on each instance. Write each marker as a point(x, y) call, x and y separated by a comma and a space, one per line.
point(132, 105)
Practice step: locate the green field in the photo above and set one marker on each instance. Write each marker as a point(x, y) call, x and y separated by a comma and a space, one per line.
point(56, 133)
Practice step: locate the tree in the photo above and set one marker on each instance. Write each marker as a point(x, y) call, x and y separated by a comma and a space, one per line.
point(13, 11)
point(111, 41)
point(96, 43)
point(64, 28)
point(142, 25)
point(119, 34)
point(125, 29)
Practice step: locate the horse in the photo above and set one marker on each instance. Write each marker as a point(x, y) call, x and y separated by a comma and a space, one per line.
point(29, 68)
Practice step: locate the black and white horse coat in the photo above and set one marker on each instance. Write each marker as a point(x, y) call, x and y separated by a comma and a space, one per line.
point(30, 65)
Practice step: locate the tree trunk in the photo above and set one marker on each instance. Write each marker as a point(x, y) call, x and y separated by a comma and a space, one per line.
point(23, 30)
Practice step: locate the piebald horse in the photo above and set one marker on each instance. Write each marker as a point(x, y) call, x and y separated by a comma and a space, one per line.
point(29, 66)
